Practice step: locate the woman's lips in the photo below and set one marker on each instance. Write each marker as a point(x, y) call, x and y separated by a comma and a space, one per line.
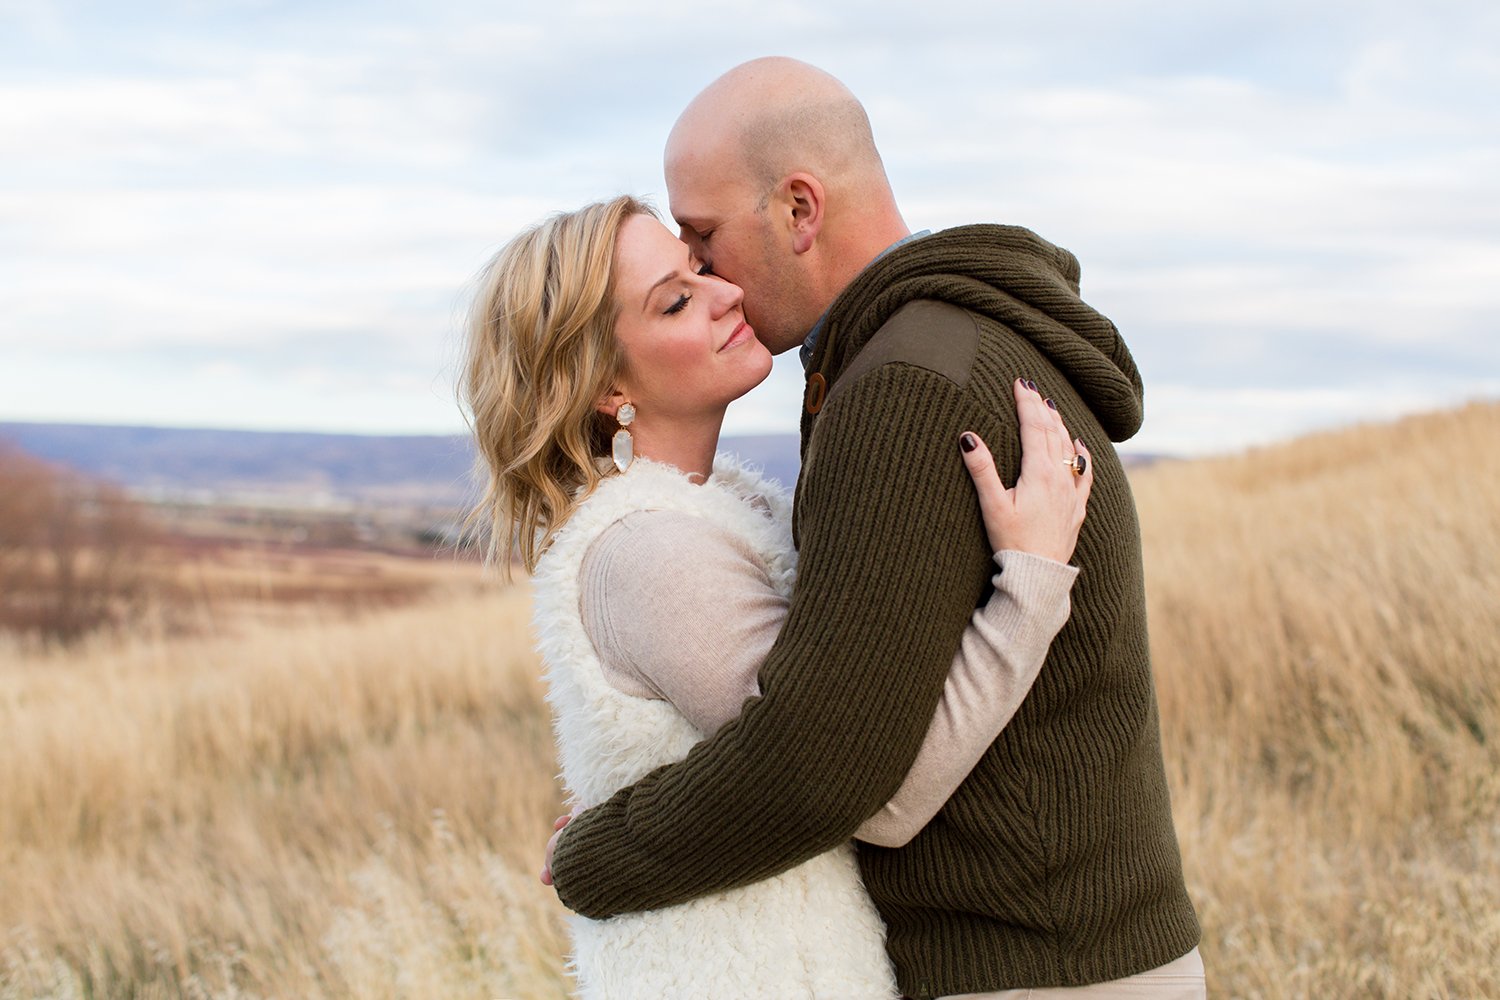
point(741, 334)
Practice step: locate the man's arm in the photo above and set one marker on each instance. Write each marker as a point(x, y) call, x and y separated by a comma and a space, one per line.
point(892, 563)
point(679, 608)
point(998, 660)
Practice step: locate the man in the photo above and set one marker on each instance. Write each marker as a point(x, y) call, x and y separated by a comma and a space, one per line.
point(1055, 863)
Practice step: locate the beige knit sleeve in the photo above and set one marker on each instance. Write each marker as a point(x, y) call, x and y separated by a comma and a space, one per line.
point(680, 609)
point(998, 660)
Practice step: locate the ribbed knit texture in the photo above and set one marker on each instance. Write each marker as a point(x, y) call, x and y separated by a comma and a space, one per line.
point(1055, 863)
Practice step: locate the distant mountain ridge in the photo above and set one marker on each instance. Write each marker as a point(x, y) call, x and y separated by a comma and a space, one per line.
point(300, 466)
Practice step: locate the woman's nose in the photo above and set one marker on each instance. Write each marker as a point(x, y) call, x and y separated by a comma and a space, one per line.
point(729, 296)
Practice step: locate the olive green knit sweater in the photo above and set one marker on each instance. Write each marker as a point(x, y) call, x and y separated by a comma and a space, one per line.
point(1055, 863)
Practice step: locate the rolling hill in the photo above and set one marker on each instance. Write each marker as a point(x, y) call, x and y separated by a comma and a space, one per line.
point(173, 463)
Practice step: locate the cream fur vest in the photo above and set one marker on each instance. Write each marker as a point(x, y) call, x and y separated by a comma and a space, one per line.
point(810, 932)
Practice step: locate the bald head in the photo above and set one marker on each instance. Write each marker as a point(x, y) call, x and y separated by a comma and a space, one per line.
point(770, 117)
point(773, 175)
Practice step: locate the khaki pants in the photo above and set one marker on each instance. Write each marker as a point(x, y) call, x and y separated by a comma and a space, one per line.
point(1178, 980)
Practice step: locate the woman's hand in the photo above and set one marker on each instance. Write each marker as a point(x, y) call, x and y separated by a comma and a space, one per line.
point(1043, 512)
point(557, 828)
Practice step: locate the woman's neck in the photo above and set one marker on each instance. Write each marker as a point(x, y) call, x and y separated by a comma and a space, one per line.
point(688, 445)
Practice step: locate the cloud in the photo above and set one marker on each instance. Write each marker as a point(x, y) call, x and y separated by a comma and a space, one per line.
point(107, 270)
point(1293, 205)
point(1185, 420)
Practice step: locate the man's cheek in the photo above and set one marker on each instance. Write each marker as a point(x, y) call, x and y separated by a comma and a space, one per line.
point(751, 307)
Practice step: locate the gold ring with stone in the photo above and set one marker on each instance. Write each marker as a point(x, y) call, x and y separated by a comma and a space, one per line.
point(1077, 463)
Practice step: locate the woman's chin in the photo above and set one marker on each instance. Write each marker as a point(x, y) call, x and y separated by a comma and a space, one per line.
point(760, 372)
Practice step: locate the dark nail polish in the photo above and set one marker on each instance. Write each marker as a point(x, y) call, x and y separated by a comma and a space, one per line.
point(1032, 386)
point(967, 442)
point(1050, 403)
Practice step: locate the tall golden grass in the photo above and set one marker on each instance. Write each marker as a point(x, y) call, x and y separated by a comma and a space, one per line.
point(337, 808)
point(333, 807)
point(1325, 623)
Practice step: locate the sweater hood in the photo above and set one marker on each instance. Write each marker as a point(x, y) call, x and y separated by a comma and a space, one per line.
point(1010, 275)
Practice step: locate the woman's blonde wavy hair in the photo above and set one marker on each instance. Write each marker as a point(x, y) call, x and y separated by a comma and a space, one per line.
point(541, 353)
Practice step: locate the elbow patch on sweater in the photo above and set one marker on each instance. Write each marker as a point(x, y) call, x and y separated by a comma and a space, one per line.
point(937, 336)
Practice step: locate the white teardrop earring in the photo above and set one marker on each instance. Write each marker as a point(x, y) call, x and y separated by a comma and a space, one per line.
point(624, 444)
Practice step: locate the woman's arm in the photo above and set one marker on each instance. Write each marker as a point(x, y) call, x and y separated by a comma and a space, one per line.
point(680, 609)
point(998, 660)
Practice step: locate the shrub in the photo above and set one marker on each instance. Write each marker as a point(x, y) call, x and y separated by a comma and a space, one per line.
point(70, 549)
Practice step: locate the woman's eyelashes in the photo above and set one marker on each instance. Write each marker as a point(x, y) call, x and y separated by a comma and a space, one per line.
point(703, 270)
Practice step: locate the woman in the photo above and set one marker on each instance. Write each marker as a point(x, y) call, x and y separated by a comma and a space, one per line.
point(600, 366)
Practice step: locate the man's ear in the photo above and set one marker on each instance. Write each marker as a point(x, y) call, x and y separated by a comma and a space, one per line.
point(804, 198)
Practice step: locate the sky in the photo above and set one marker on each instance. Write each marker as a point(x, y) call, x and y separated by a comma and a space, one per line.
point(269, 215)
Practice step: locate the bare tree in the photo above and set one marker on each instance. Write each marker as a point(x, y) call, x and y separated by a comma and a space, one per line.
point(70, 549)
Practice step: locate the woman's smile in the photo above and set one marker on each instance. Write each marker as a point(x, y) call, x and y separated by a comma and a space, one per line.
point(738, 336)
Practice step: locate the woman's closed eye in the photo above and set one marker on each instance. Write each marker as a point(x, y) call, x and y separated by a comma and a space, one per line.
point(679, 305)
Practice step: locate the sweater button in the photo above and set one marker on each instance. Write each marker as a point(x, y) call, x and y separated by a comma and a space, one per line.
point(817, 392)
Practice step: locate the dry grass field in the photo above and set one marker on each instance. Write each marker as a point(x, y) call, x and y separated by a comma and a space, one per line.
point(339, 808)
point(1325, 620)
point(334, 806)
point(200, 586)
